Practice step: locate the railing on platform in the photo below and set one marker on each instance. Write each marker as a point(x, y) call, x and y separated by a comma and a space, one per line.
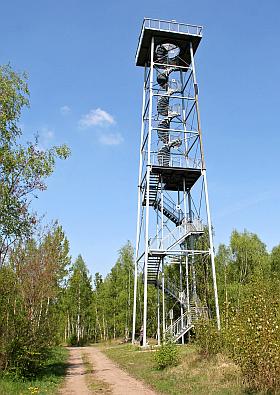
point(172, 26)
point(175, 160)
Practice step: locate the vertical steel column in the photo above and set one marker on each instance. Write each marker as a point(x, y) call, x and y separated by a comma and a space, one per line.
point(197, 106)
point(192, 247)
point(203, 172)
point(212, 252)
point(163, 301)
point(162, 278)
point(138, 209)
point(158, 312)
point(187, 260)
point(181, 296)
point(184, 116)
point(148, 196)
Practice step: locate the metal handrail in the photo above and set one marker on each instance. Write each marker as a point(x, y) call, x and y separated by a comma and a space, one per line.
point(180, 232)
point(178, 160)
point(183, 28)
point(180, 324)
point(179, 27)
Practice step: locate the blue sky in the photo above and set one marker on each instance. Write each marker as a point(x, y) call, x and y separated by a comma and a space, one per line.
point(86, 91)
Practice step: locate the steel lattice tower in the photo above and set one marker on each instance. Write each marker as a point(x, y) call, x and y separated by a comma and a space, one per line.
point(173, 207)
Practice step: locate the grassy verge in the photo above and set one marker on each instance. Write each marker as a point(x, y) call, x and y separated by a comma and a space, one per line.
point(95, 385)
point(47, 382)
point(194, 374)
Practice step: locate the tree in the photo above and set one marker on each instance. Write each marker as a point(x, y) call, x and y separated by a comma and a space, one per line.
point(23, 167)
point(30, 288)
point(78, 301)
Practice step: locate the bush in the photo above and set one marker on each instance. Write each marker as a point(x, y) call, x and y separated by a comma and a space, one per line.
point(254, 337)
point(208, 338)
point(167, 355)
point(73, 341)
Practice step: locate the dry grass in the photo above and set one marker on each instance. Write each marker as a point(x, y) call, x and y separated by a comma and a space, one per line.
point(194, 375)
point(95, 385)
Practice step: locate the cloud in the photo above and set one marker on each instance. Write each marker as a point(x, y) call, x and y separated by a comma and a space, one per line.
point(46, 135)
point(64, 110)
point(111, 139)
point(96, 117)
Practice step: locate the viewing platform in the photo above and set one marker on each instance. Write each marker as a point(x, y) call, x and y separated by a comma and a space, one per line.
point(173, 177)
point(172, 32)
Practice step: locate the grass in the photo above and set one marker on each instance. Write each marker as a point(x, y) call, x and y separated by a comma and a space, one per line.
point(47, 381)
point(94, 384)
point(194, 375)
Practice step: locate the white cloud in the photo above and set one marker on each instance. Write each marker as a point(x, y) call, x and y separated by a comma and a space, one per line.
point(111, 139)
point(64, 110)
point(46, 135)
point(96, 117)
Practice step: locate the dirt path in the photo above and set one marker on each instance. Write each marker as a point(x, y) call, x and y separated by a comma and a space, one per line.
point(75, 383)
point(120, 382)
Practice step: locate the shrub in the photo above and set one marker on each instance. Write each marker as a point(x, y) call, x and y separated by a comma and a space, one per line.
point(254, 337)
point(73, 341)
point(208, 338)
point(167, 355)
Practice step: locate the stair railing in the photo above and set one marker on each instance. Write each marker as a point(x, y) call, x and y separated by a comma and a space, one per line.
point(179, 234)
point(179, 325)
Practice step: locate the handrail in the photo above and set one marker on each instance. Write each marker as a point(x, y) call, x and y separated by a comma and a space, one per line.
point(181, 323)
point(180, 26)
point(177, 159)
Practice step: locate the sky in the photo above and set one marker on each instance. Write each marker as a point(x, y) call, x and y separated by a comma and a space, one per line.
point(86, 92)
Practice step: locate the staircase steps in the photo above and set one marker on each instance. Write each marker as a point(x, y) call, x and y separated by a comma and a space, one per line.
point(184, 330)
point(153, 268)
point(154, 185)
point(170, 214)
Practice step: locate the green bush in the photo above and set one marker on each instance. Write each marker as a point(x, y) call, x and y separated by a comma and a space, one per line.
point(167, 355)
point(253, 337)
point(73, 341)
point(208, 338)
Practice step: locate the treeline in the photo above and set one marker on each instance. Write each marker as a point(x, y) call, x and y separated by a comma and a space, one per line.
point(96, 309)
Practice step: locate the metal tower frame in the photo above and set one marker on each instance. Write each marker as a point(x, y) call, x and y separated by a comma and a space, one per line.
point(173, 205)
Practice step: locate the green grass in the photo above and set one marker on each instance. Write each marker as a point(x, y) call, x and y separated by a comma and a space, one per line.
point(193, 375)
point(47, 382)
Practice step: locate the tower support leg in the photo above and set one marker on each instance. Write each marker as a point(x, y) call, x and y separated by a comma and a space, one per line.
point(148, 198)
point(212, 252)
point(138, 214)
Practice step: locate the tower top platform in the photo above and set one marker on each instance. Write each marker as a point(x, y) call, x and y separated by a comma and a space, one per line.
point(172, 32)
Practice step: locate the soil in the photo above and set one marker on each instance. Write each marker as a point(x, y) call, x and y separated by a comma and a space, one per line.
point(104, 370)
point(75, 382)
point(120, 382)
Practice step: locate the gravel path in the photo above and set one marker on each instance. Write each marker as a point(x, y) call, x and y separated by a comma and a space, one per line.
point(120, 382)
point(75, 383)
point(104, 369)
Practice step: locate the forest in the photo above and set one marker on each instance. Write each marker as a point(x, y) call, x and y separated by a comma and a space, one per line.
point(47, 298)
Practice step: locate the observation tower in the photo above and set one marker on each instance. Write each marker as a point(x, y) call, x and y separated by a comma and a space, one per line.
point(174, 242)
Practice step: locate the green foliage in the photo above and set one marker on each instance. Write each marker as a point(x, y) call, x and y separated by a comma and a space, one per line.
point(29, 289)
point(208, 338)
point(249, 291)
point(24, 168)
point(77, 303)
point(253, 336)
point(167, 355)
point(49, 376)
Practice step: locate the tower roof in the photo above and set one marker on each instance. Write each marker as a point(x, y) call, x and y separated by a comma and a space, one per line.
point(172, 32)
